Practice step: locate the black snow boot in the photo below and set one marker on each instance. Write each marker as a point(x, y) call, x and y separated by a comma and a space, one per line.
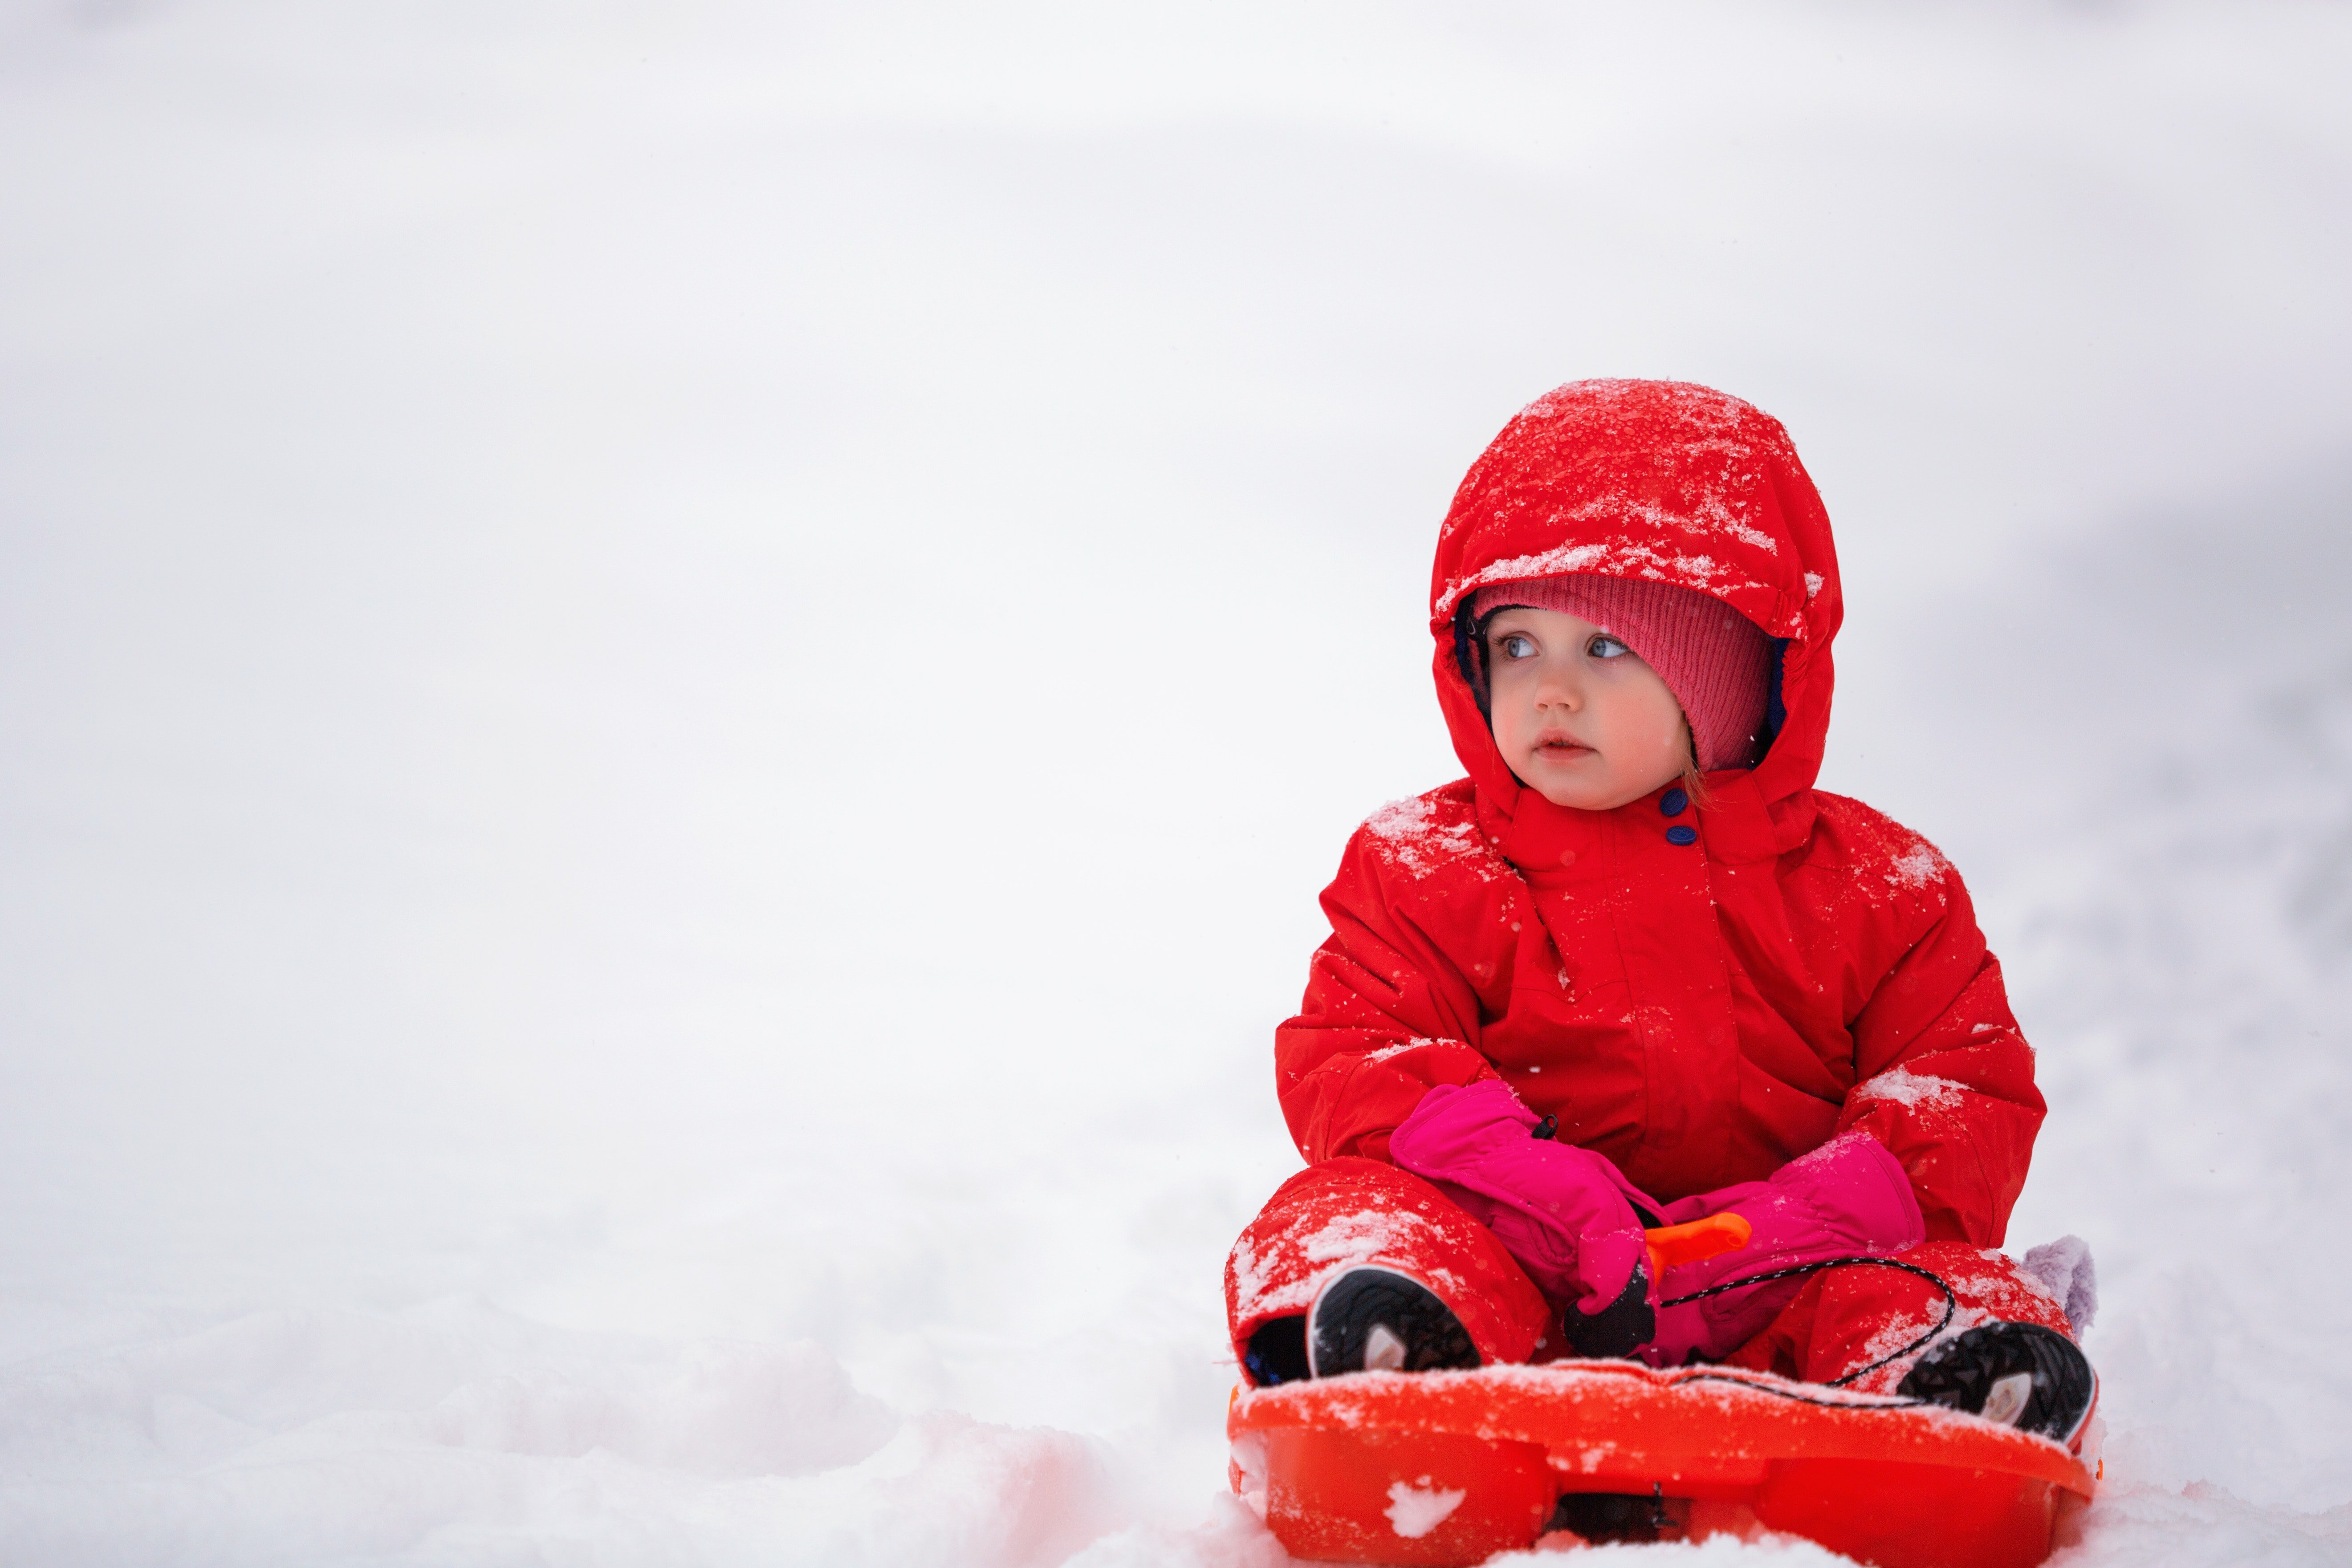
point(1377, 1318)
point(2020, 1375)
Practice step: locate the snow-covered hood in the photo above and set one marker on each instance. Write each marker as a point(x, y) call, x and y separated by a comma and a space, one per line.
point(1655, 479)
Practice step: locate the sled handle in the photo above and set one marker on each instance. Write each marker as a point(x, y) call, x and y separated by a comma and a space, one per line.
point(1672, 1246)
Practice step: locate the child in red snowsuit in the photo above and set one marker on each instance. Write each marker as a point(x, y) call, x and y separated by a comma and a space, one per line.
point(1635, 970)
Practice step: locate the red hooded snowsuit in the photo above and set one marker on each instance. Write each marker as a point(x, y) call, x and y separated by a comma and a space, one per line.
point(1700, 1013)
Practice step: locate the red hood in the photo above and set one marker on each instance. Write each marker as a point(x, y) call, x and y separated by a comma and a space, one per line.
point(1655, 479)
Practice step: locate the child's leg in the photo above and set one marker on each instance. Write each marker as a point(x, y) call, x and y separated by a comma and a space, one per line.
point(1847, 1318)
point(1345, 1213)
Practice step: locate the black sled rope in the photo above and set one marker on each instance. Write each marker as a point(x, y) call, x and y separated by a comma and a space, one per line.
point(1951, 1307)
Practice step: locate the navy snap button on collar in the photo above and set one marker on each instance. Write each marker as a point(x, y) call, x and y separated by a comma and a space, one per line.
point(1672, 803)
point(1679, 834)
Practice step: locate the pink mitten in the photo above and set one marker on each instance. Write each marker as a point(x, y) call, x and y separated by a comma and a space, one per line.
point(1565, 1213)
point(1848, 1199)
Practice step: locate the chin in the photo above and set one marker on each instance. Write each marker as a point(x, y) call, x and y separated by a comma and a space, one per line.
point(1577, 796)
point(1582, 794)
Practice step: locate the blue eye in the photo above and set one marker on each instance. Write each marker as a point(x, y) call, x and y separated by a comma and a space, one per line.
point(1514, 645)
point(1604, 646)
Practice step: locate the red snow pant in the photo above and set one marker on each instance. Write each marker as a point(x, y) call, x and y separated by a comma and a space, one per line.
point(1346, 1211)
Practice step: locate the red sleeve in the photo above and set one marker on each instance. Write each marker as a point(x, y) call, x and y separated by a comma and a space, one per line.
point(1945, 1079)
point(1387, 1016)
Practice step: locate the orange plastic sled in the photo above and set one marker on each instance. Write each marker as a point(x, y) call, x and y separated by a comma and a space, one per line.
point(1451, 1467)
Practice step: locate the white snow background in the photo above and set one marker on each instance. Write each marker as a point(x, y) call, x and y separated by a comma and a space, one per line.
point(674, 681)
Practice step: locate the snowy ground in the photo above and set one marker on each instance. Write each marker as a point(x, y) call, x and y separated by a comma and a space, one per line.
point(675, 680)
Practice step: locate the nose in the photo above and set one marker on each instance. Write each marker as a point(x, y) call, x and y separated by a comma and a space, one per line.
point(1558, 688)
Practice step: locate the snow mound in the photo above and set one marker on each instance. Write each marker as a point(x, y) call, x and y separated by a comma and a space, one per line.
point(462, 1434)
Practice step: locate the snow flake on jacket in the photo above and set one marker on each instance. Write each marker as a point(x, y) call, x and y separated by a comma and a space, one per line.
point(1701, 1013)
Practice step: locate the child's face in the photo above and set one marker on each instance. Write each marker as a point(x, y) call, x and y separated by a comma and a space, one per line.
point(1579, 717)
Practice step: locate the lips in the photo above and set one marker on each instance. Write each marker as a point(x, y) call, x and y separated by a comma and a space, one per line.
point(1561, 747)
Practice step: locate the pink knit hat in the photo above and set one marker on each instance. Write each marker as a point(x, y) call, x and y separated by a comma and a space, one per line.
point(1716, 662)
